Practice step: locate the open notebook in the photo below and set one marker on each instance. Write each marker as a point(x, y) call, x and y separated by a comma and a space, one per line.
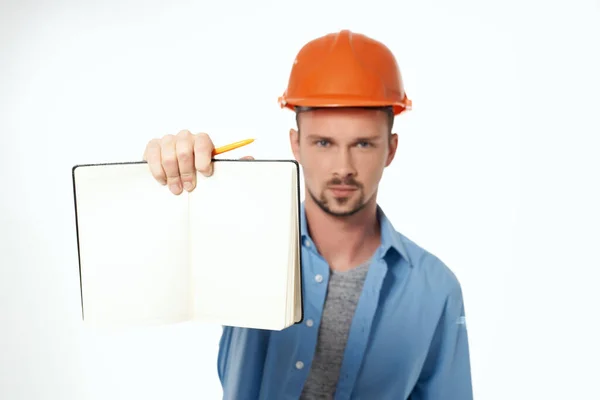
point(227, 253)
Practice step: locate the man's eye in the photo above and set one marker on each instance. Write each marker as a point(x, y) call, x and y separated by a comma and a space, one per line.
point(364, 144)
point(322, 142)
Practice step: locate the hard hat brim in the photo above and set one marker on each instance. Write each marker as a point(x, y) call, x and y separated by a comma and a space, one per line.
point(340, 102)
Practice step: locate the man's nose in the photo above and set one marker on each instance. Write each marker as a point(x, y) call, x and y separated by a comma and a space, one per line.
point(344, 165)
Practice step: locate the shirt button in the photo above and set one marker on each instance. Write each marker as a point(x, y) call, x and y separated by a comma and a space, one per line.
point(309, 323)
point(299, 365)
point(306, 242)
point(319, 278)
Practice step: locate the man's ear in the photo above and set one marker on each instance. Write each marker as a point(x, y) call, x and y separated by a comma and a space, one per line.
point(393, 146)
point(295, 143)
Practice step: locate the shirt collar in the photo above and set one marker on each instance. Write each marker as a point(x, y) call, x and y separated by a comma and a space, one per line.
point(390, 239)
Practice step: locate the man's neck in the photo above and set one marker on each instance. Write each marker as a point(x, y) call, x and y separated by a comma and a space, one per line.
point(344, 242)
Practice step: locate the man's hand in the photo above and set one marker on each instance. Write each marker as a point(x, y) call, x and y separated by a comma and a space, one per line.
point(174, 159)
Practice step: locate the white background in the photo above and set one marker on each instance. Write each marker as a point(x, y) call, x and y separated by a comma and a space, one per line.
point(497, 171)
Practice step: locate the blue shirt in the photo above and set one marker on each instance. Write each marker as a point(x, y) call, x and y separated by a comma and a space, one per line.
point(408, 338)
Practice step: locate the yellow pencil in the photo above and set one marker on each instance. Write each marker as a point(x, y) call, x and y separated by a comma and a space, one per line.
point(232, 146)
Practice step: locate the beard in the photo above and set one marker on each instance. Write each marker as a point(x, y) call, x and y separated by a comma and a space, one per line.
point(351, 206)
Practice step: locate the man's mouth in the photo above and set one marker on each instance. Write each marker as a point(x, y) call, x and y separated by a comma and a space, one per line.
point(342, 190)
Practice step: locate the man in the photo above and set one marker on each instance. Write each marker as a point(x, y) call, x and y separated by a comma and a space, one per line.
point(384, 318)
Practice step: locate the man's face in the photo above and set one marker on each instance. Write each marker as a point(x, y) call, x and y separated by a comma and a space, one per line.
point(343, 153)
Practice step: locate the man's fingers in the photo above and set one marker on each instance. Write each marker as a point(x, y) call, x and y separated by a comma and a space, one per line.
point(184, 148)
point(174, 160)
point(203, 148)
point(170, 164)
point(152, 157)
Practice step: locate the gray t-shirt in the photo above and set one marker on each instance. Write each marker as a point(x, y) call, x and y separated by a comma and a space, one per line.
point(343, 292)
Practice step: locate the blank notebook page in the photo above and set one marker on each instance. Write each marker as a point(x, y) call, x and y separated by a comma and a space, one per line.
point(133, 242)
point(240, 242)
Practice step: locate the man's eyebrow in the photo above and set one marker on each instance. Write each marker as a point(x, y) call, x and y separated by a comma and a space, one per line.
point(372, 138)
point(317, 136)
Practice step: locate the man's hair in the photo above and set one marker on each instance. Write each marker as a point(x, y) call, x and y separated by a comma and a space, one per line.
point(388, 110)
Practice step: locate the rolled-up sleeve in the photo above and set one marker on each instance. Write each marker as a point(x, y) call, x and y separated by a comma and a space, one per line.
point(240, 362)
point(446, 373)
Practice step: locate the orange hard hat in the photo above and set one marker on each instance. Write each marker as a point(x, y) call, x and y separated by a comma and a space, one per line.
point(345, 69)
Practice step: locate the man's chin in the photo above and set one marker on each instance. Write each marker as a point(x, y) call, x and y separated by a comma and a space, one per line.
point(333, 208)
point(342, 213)
point(339, 206)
